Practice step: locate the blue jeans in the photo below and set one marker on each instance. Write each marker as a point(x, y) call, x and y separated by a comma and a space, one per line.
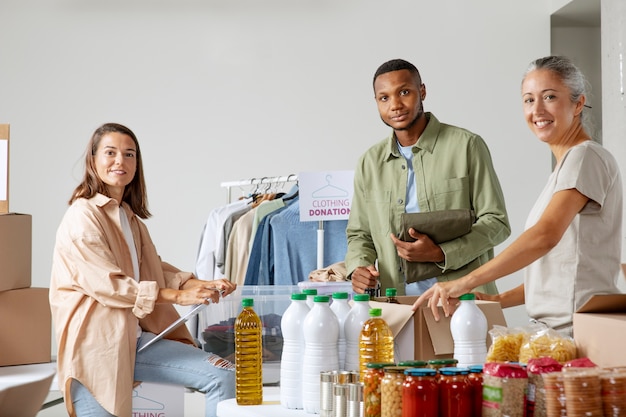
point(175, 363)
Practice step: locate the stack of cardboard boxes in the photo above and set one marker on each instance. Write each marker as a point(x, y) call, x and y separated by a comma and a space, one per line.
point(25, 321)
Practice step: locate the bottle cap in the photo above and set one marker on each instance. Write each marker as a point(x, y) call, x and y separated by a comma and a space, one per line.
point(340, 296)
point(361, 297)
point(321, 299)
point(376, 312)
point(298, 296)
point(468, 296)
point(391, 292)
point(247, 302)
point(309, 291)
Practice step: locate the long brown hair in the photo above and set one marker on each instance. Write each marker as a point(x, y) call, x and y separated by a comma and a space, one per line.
point(135, 194)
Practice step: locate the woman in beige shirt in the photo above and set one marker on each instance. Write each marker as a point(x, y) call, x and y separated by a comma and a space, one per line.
point(110, 293)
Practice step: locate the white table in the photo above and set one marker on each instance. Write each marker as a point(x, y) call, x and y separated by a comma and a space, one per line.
point(270, 408)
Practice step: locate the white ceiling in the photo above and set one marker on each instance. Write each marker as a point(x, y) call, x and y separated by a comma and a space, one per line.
point(578, 13)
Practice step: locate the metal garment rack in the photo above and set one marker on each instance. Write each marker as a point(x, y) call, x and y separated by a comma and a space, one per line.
point(257, 182)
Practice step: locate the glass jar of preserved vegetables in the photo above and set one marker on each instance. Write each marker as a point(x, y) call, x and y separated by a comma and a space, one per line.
point(372, 378)
point(420, 393)
point(455, 394)
point(391, 391)
point(475, 378)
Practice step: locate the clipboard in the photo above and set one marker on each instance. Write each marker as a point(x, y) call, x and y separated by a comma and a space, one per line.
point(197, 308)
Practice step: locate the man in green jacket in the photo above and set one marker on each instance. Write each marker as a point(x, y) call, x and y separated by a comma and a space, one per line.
point(423, 165)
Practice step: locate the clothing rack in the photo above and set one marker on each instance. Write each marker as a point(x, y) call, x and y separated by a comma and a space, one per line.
point(257, 181)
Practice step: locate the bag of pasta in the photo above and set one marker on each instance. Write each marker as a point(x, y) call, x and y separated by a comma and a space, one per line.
point(546, 342)
point(505, 344)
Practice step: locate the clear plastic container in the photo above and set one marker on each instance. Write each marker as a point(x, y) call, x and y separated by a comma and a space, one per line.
point(248, 356)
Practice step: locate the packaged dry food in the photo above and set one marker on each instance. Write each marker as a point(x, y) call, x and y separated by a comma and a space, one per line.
point(613, 383)
point(555, 394)
point(505, 344)
point(536, 393)
point(578, 363)
point(546, 342)
point(504, 390)
point(583, 393)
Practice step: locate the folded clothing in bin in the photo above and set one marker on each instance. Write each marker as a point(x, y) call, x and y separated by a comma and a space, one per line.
point(219, 338)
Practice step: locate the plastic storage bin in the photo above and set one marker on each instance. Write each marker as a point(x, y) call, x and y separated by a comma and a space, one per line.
point(216, 324)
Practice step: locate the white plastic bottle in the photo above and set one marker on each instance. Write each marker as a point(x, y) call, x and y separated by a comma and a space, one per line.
point(310, 295)
point(468, 326)
point(359, 314)
point(292, 324)
point(341, 308)
point(321, 333)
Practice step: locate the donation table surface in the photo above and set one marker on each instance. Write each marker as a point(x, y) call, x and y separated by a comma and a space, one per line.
point(270, 408)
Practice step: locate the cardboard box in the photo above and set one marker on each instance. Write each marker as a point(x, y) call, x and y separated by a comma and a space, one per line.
point(158, 400)
point(25, 327)
point(4, 168)
point(419, 337)
point(15, 251)
point(600, 330)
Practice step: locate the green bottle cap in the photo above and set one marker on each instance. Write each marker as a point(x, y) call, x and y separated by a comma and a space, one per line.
point(376, 312)
point(247, 302)
point(340, 296)
point(468, 296)
point(321, 299)
point(309, 291)
point(298, 296)
point(361, 297)
point(391, 292)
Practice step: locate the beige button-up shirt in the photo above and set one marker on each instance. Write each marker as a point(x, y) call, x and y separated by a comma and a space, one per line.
point(96, 303)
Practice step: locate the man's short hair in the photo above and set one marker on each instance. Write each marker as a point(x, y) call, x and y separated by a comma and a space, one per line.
point(397, 65)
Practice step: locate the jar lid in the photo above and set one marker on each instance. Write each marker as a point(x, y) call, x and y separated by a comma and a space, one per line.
point(321, 299)
point(420, 372)
point(475, 369)
point(413, 364)
point(378, 365)
point(247, 302)
point(340, 296)
point(298, 296)
point(454, 371)
point(395, 369)
point(361, 297)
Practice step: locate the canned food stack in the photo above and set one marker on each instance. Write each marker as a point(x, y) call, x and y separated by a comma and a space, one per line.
point(340, 394)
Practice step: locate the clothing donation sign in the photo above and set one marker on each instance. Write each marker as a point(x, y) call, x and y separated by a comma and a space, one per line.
point(325, 195)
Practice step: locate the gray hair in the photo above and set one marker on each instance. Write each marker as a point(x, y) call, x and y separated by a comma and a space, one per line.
point(572, 77)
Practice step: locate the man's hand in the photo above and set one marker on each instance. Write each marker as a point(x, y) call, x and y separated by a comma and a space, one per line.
point(364, 277)
point(423, 249)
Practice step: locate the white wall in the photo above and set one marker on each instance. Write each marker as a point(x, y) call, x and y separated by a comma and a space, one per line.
point(227, 90)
